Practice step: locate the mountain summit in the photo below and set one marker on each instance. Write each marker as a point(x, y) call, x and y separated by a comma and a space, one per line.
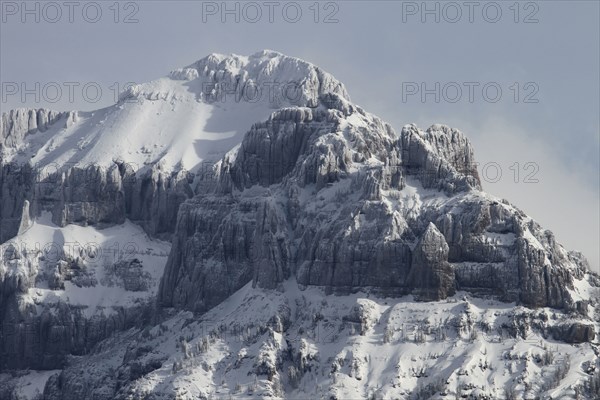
point(241, 228)
point(177, 121)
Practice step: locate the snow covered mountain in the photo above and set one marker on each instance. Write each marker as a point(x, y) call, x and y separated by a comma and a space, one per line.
point(241, 228)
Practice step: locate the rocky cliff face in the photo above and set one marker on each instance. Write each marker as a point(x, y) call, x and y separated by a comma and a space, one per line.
point(332, 196)
point(16, 124)
point(93, 195)
point(44, 339)
point(431, 276)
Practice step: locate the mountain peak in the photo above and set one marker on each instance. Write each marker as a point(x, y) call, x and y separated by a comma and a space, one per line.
point(268, 53)
point(265, 69)
point(219, 57)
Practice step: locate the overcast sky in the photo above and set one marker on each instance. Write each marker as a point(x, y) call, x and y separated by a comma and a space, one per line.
point(542, 132)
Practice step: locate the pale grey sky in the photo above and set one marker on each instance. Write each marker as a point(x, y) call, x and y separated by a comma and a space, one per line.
point(543, 56)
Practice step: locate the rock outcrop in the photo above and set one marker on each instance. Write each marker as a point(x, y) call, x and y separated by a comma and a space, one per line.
point(16, 186)
point(431, 275)
point(575, 332)
point(16, 124)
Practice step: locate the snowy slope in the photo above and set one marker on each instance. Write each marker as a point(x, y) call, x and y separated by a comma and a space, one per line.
point(180, 120)
point(45, 255)
point(305, 344)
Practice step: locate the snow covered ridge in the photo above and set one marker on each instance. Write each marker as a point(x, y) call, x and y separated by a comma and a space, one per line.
point(314, 252)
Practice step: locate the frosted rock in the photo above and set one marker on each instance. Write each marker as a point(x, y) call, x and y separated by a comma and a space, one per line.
point(16, 124)
point(25, 218)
